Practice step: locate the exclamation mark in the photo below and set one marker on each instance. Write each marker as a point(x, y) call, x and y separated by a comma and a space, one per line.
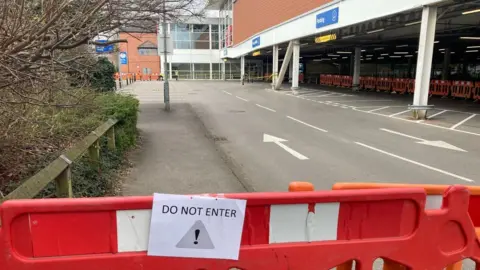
point(197, 233)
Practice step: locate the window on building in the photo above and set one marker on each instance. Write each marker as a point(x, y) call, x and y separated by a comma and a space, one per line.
point(216, 71)
point(200, 28)
point(184, 70)
point(147, 71)
point(181, 36)
point(191, 36)
point(225, 27)
point(215, 38)
point(202, 71)
point(200, 37)
point(147, 48)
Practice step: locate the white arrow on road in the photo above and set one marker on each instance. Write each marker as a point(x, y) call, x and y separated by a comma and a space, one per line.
point(279, 142)
point(440, 144)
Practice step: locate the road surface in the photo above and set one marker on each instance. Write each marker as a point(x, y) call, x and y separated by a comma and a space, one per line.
point(326, 137)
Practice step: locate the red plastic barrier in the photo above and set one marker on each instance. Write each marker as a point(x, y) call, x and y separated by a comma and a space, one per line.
point(440, 88)
point(462, 89)
point(362, 82)
point(411, 86)
point(476, 93)
point(384, 84)
point(370, 83)
point(347, 81)
point(326, 79)
point(337, 80)
point(54, 234)
point(323, 79)
point(400, 85)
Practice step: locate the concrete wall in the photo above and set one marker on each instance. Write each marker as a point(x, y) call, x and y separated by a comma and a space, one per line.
point(253, 16)
point(194, 56)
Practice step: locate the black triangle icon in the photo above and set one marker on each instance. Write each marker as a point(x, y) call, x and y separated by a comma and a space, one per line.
point(196, 237)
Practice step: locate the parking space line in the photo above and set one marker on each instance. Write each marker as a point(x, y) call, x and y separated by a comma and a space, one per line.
point(416, 163)
point(432, 116)
point(415, 122)
point(463, 121)
point(241, 98)
point(306, 124)
point(362, 100)
point(395, 114)
point(266, 108)
point(378, 109)
point(326, 95)
point(437, 114)
point(228, 93)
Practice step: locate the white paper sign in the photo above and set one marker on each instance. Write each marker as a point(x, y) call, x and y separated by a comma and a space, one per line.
point(196, 227)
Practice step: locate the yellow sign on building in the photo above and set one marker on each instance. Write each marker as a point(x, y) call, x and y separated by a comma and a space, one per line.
point(257, 53)
point(325, 38)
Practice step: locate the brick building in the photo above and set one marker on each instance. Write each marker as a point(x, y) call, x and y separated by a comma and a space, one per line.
point(141, 50)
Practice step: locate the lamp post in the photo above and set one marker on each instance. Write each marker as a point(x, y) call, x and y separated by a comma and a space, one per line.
point(166, 88)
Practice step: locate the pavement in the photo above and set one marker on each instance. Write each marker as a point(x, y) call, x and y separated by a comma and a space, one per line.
point(175, 153)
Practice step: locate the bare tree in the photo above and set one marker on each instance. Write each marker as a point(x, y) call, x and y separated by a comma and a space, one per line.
point(44, 46)
point(37, 36)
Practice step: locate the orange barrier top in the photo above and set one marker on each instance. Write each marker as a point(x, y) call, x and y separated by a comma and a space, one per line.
point(474, 200)
point(430, 189)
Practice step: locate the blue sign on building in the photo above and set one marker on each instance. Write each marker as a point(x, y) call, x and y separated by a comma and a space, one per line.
point(123, 58)
point(256, 42)
point(103, 49)
point(327, 18)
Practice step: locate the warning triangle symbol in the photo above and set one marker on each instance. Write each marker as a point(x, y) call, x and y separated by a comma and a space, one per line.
point(196, 237)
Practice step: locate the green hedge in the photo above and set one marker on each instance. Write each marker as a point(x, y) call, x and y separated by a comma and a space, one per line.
point(90, 182)
point(86, 180)
point(102, 75)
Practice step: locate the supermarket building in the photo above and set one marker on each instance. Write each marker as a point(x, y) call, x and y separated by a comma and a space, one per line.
point(301, 40)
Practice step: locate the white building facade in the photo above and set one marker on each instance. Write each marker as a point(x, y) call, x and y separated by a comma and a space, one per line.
point(197, 46)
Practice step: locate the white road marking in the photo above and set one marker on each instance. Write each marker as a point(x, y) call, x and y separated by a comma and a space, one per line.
point(241, 98)
point(415, 122)
point(378, 109)
point(326, 95)
point(228, 93)
point(437, 114)
point(306, 124)
point(463, 121)
point(314, 93)
point(416, 163)
point(266, 108)
point(432, 116)
point(279, 142)
point(362, 100)
point(440, 144)
point(359, 109)
point(401, 134)
point(395, 114)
